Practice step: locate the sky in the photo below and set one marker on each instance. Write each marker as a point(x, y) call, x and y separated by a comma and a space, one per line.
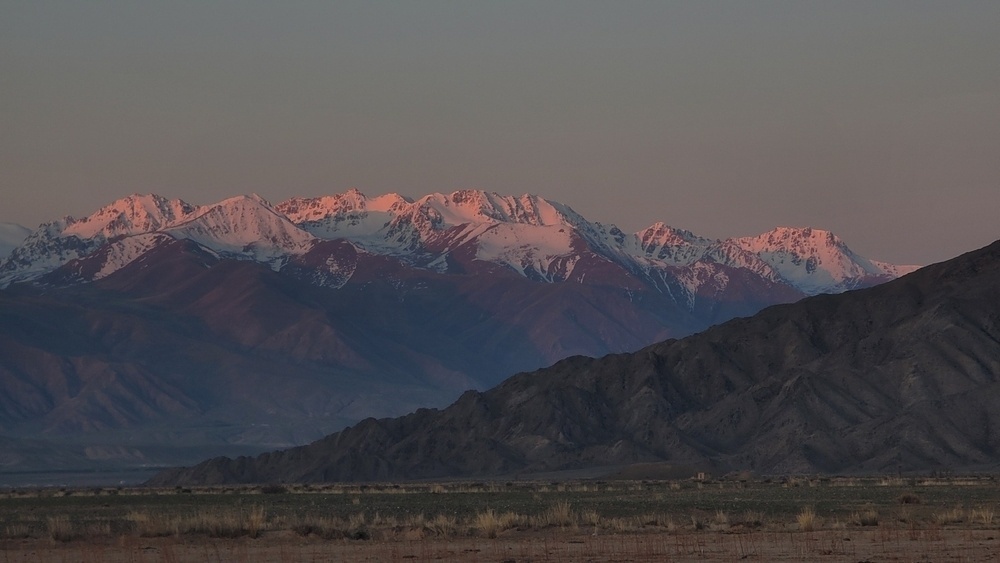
point(877, 120)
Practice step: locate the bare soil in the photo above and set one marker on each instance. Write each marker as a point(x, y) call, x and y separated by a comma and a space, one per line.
point(878, 544)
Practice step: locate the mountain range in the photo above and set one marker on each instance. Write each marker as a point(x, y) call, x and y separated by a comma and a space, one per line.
point(154, 330)
point(900, 377)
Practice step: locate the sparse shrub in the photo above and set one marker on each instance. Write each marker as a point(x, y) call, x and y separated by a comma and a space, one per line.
point(148, 526)
point(379, 521)
point(442, 525)
point(357, 520)
point(753, 519)
point(255, 521)
point(621, 525)
point(561, 514)
point(326, 528)
point(953, 516)
point(60, 528)
point(905, 515)
point(590, 518)
point(806, 519)
point(17, 531)
point(981, 515)
point(867, 517)
point(273, 490)
point(415, 520)
point(98, 529)
point(909, 498)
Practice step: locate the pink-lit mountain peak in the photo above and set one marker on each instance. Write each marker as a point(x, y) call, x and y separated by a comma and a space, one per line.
point(789, 239)
point(247, 223)
point(476, 206)
point(133, 214)
point(535, 237)
point(312, 209)
point(660, 234)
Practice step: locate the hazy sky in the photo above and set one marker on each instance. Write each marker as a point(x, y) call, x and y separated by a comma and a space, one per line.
point(878, 120)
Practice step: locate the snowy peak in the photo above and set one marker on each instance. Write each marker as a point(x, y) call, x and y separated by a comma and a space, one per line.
point(663, 242)
point(475, 206)
point(247, 225)
point(302, 210)
point(803, 240)
point(459, 233)
point(131, 215)
point(813, 260)
point(351, 215)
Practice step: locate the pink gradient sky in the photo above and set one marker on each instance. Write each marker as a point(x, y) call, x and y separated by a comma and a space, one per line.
point(879, 121)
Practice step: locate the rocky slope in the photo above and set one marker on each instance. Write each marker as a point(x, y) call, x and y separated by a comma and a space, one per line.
point(903, 376)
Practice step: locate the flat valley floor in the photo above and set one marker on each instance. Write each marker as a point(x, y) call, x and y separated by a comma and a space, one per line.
point(779, 519)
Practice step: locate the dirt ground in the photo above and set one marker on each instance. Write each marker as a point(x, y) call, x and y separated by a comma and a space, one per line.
point(856, 545)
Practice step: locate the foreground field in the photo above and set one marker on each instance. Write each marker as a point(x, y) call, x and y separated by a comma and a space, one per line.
point(790, 520)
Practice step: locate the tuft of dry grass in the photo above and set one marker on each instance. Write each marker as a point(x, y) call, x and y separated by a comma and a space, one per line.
point(621, 525)
point(442, 525)
point(61, 529)
point(488, 523)
point(953, 516)
point(981, 515)
point(147, 526)
point(560, 514)
point(806, 519)
point(251, 522)
point(255, 521)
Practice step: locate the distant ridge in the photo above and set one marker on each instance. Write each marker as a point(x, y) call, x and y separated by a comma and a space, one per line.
point(900, 377)
point(534, 237)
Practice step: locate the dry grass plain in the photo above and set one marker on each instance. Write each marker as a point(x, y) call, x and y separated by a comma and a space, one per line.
point(793, 519)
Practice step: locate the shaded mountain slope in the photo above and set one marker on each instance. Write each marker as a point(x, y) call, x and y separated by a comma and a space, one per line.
point(903, 376)
point(183, 351)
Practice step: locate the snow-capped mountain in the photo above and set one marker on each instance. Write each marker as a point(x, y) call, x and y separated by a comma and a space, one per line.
point(247, 325)
point(245, 227)
point(817, 261)
point(526, 235)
